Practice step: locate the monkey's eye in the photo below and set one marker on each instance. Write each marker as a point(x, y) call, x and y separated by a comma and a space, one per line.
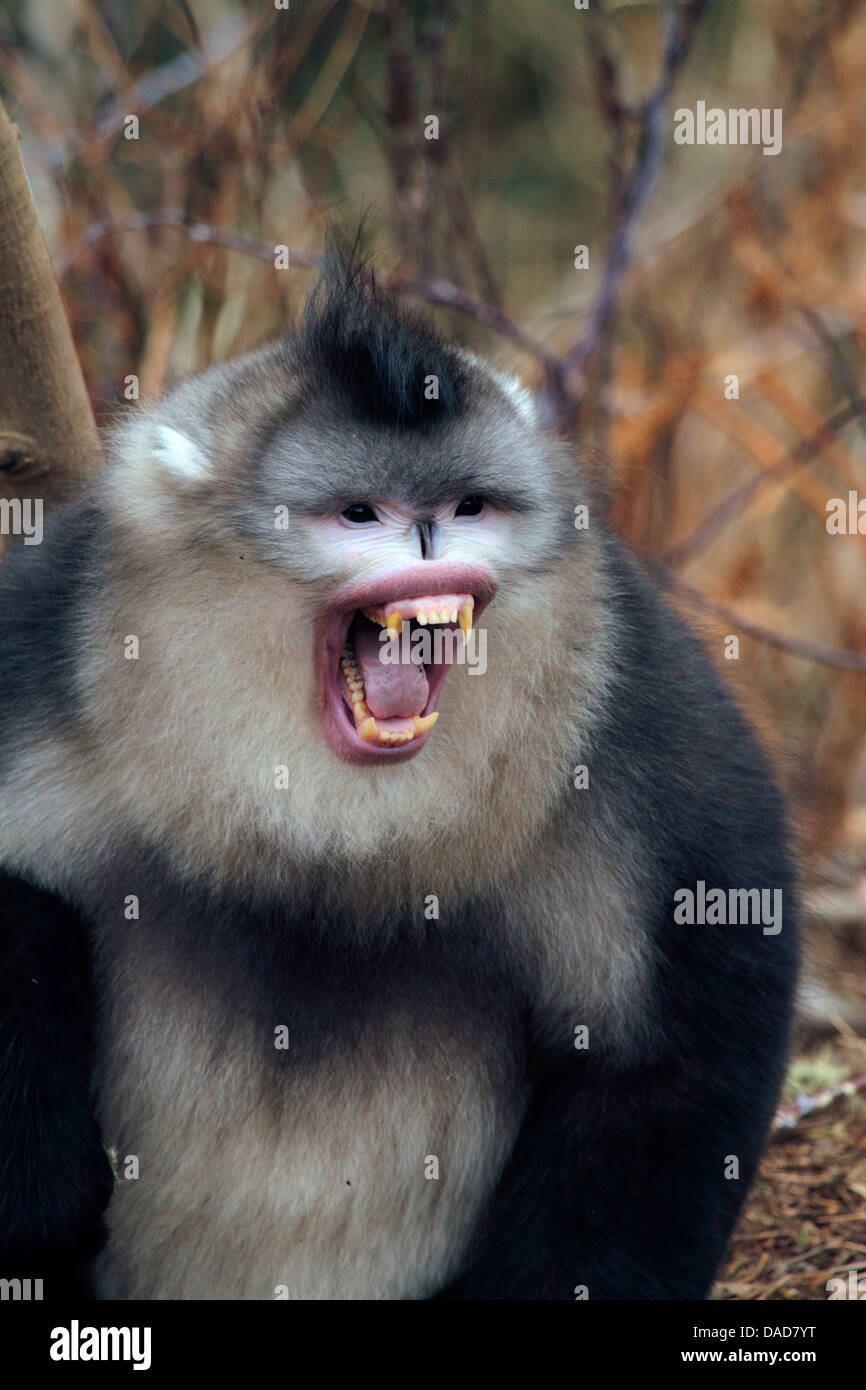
point(470, 506)
point(359, 512)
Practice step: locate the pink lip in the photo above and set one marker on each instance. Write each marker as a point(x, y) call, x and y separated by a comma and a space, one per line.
point(431, 577)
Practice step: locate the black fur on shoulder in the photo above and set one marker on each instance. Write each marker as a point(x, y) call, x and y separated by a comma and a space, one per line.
point(55, 1178)
point(355, 343)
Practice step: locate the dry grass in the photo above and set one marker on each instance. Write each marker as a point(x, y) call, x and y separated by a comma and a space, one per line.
point(805, 1222)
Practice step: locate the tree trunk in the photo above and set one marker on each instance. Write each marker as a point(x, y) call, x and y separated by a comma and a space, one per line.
point(48, 437)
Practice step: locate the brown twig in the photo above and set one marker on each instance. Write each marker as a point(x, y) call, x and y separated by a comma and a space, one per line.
point(833, 355)
point(444, 292)
point(738, 500)
point(681, 24)
point(444, 183)
point(796, 646)
point(151, 89)
point(432, 292)
point(404, 134)
point(196, 231)
point(608, 90)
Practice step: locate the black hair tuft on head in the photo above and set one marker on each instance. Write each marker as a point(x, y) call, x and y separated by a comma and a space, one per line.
point(356, 343)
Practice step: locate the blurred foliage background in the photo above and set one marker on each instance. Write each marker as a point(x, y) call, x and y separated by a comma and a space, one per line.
point(257, 123)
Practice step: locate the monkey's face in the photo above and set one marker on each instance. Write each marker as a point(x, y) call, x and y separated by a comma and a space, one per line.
point(406, 542)
point(314, 590)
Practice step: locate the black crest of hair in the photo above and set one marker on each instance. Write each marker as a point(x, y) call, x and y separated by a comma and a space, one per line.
point(356, 343)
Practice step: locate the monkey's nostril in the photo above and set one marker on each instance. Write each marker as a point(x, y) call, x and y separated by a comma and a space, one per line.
point(428, 534)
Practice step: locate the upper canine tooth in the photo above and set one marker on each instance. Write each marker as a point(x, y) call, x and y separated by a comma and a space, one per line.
point(466, 620)
point(394, 623)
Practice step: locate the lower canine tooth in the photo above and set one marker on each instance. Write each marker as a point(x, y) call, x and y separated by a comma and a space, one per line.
point(422, 725)
point(367, 730)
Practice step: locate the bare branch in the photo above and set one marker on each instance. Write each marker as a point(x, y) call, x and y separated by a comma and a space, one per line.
point(401, 119)
point(737, 501)
point(833, 354)
point(444, 292)
point(196, 231)
point(180, 72)
point(432, 292)
point(797, 646)
point(681, 23)
point(608, 89)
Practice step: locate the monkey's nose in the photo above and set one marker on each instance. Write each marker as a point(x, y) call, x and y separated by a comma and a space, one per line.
point(427, 535)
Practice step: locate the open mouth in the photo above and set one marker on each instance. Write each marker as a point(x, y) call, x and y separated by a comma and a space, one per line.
point(379, 683)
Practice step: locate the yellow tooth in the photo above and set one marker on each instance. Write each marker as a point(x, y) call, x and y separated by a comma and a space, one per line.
point(367, 730)
point(394, 624)
point(465, 620)
point(422, 725)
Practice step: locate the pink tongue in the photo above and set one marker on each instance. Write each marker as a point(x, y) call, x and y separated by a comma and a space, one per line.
point(393, 688)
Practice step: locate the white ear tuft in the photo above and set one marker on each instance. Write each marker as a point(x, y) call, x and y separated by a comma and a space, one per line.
point(513, 390)
point(520, 398)
point(178, 454)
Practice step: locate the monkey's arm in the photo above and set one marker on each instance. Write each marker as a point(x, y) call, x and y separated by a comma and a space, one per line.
point(55, 1179)
point(621, 1181)
point(605, 1193)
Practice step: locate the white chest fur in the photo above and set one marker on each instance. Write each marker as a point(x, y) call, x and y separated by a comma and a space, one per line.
point(360, 1177)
